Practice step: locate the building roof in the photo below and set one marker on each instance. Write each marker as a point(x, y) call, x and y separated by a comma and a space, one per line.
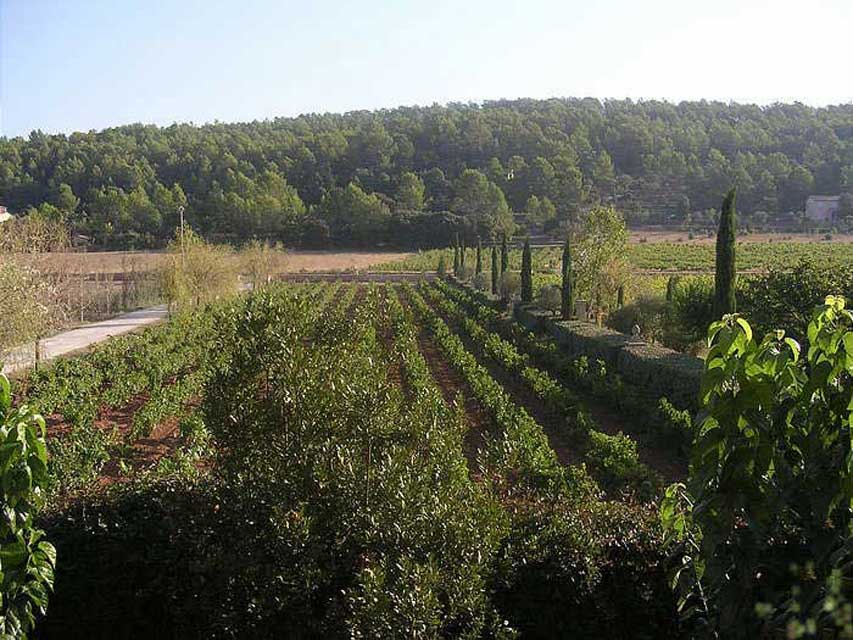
point(824, 198)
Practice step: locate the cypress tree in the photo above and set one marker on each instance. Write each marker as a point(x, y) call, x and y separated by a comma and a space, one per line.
point(670, 288)
point(726, 274)
point(455, 260)
point(495, 275)
point(462, 254)
point(526, 273)
point(504, 256)
point(442, 266)
point(568, 290)
point(620, 297)
point(479, 268)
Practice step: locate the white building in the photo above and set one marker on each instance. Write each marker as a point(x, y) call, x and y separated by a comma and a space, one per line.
point(4, 215)
point(822, 208)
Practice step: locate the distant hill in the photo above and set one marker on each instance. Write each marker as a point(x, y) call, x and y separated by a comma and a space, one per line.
point(287, 179)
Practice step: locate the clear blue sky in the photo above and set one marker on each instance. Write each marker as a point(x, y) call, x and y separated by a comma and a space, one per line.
point(77, 65)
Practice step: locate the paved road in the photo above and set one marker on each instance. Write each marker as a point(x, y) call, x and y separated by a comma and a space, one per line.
point(64, 343)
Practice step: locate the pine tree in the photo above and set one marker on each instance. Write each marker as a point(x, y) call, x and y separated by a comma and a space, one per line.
point(495, 274)
point(479, 268)
point(726, 275)
point(526, 274)
point(504, 256)
point(568, 292)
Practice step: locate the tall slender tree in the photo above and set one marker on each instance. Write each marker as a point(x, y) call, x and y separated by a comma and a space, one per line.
point(620, 297)
point(726, 274)
point(479, 268)
point(462, 254)
point(504, 256)
point(670, 288)
point(495, 274)
point(568, 288)
point(456, 257)
point(526, 273)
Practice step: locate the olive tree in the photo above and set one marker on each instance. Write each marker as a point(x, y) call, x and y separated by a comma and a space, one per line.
point(196, 272)
point(598, 256)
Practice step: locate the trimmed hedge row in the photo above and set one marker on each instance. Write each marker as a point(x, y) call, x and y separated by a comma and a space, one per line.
point(661, 371)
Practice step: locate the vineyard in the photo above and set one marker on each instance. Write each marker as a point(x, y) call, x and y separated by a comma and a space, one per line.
point(380, 460)
point(356, 460)
point(663, 257)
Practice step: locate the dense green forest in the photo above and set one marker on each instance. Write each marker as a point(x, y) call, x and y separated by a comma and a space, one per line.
point(415, 176)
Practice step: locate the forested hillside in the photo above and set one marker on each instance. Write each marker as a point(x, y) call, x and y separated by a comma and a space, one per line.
point(414, 176)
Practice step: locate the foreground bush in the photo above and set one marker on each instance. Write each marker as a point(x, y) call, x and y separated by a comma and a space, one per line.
point(27, 561)
point(764, 523)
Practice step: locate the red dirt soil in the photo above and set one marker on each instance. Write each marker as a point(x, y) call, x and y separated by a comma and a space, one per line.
point(454, 389)
point(143, 453)
point(457, 392)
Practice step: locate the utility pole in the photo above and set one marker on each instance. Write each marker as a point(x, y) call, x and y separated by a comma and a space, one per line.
point(181, 213)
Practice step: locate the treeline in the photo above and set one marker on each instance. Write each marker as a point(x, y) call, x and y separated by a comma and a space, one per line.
point(416, 176)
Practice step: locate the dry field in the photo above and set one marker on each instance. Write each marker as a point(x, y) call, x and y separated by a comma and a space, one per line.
point(125, 261)
point(338, 260)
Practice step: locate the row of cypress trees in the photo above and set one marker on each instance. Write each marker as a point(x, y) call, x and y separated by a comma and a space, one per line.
point(724, 278)
point(498, 269)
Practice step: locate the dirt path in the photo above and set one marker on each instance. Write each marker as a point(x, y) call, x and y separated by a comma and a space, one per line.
point(386, 336)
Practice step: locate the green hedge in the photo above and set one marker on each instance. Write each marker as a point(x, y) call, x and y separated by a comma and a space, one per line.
point(661, 371)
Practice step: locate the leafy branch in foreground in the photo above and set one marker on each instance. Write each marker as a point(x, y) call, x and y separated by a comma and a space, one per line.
point(764, 525)
point(27, 561)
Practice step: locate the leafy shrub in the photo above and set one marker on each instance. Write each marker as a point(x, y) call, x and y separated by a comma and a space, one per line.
point(195, 272)
point(28, 561)
point(675, 424)
point(510, 285)
point(771, 482)
point(787, 297)
point(562, 573)
point(550, 298)
point(648, 312)
point(614, 460)
point(692, 311)
point(482, 282)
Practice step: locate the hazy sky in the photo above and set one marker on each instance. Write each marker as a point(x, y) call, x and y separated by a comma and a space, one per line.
point(77, 65)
